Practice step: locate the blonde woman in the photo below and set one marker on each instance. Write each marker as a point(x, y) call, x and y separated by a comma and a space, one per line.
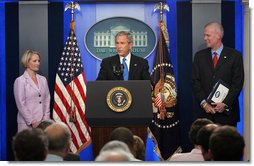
point(31, 93)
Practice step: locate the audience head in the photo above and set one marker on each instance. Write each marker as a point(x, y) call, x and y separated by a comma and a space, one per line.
point(139, 147)
point(45, 123)
point(115, 151)
point(226, 144)
point(72, 157)
point(115, 145)
point(30, 145)
point(59, 137)
point(195, 127)
point(125, 135)
point(203, 140)
point(113, 156)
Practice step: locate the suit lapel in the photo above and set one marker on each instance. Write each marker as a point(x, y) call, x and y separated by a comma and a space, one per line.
point(209, 60)
point(223, 58)
point(133, 67)
point(39, 82)
point(30, 81)
point(116, 60)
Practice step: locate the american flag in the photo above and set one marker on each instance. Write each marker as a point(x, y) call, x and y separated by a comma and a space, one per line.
point(70, 95)
point(158, 101)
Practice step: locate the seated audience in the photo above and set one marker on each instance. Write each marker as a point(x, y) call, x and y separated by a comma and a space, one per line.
point(203, 140)
point(30, 145)
point(125, 135)
point(140, 148)
point(115, 151)
point(226, 144)
point(59, 137)
point(70, 156)
point(195, 154)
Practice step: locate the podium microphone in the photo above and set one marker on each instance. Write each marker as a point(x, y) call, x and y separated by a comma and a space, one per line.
point(114, 69)
point(118, 70)
point(121, 68)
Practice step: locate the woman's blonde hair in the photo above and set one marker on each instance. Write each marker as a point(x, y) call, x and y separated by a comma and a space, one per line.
point(26, 57)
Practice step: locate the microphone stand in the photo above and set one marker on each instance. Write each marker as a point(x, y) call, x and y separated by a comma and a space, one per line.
point(118, 71)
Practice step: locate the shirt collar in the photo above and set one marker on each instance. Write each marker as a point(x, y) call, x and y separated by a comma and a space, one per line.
point(128, 57)
point(218, 51)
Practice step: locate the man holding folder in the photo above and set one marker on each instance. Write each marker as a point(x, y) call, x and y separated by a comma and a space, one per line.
point(213, 64)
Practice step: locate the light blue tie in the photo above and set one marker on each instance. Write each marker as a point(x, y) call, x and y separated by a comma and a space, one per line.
point(125, 70)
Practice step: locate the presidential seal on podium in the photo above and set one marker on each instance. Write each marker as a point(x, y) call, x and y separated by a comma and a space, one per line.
point(119, 99)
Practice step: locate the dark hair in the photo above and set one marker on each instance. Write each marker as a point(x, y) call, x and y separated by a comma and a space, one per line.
point(195, 127)
point(123, 134)
point(140, 148)
point(45, 123)
point(30, 145)
point(204, 134)
point(226, 144)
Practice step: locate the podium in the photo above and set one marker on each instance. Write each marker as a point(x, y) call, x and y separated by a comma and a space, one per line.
point(112, 104)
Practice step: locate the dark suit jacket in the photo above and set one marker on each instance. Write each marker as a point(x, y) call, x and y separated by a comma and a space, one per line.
point(230, 70)
point(72, 157)
point(138, 68)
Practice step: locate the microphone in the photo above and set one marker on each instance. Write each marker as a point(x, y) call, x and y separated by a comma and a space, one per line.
point(118, 70)
point(114, 68)
point(121, 68)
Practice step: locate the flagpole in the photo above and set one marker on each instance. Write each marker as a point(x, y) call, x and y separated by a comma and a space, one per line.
point(70, 93)
point(72, 6)
point(164, 129)
point(161, 7)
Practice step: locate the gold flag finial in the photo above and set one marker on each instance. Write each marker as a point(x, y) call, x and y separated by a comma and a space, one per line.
point(72, 6)
point(161, 6)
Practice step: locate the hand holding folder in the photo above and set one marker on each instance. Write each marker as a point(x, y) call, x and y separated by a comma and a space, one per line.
point(219, 93)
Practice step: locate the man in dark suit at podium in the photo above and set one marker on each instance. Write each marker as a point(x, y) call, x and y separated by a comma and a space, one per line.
point(124, 65)
point(214, 63)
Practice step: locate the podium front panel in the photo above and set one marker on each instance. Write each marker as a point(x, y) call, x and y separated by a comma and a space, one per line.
point(98, 112)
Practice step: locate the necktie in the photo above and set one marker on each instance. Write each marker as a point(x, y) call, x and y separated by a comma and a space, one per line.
point(215, 59)
point(125, 70)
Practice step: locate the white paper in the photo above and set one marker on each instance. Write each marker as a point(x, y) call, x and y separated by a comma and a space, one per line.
point(220, 94)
